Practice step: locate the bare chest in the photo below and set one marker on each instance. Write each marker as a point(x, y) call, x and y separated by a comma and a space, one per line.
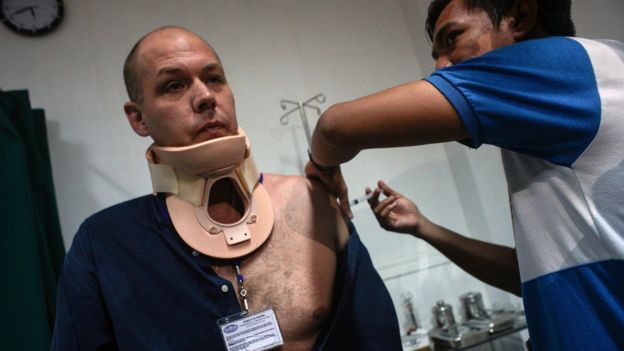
point(293, 274)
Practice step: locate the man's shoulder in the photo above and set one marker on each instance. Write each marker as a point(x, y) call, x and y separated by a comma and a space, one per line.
point(114, 222)
point(130, 209)
point(295, 187)
point(297, 181)
point(303, 198)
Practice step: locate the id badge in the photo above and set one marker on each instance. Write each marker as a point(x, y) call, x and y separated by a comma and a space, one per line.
point(251, 332)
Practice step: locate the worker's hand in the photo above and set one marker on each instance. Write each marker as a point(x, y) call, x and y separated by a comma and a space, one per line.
point(396, 212)
point(335, 184)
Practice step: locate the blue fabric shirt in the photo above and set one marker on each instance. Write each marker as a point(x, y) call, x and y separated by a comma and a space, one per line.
point(555, 106)
point(130, 283)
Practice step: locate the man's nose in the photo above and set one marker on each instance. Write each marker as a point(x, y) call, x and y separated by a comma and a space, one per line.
point(443, 62)
point(204, 98)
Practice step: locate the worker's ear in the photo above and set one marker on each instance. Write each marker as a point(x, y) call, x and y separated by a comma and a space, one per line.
point(135, 117)
point(523, 18)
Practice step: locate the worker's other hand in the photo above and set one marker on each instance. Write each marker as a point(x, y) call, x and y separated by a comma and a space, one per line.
point(335, 184)
point(396, 212)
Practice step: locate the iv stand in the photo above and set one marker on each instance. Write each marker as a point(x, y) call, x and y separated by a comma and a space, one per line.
point(301, 106)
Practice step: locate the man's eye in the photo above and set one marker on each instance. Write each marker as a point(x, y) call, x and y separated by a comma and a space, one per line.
point(215, 79)
point(451, 38)
point(174, 86)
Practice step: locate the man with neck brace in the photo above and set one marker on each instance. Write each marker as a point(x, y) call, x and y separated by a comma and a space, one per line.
point(221, 256)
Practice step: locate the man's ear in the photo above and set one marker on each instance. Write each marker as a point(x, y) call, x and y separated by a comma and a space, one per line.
point(524, 18)
point(135, 117)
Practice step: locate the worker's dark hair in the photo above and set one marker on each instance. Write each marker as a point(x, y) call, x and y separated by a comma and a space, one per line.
point(554, 16)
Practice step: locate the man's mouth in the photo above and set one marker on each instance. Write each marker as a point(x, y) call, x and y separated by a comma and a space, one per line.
point(211, 130)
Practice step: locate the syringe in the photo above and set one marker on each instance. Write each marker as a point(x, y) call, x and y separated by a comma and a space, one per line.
point(360, 199)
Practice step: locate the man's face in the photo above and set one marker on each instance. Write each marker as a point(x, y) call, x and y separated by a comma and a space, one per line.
point(460, 34)
point(186, 98)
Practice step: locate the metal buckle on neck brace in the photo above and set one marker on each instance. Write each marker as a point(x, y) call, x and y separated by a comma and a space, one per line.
point(188, 175)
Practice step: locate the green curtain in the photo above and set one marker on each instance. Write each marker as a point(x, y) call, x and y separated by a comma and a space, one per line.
point(31, 244)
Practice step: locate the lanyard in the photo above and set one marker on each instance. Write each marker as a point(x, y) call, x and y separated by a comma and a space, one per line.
point(241, 288)
point(242, 291)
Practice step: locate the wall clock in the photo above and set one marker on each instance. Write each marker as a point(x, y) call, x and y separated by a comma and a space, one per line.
point(32, 17)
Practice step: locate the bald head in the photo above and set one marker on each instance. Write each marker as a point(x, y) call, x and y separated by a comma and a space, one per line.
point(134, 66)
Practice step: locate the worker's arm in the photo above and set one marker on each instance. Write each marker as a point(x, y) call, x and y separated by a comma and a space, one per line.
point(493, 264)
point(410, 114)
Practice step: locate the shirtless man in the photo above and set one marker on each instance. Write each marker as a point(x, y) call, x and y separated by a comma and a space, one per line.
point(135, 279)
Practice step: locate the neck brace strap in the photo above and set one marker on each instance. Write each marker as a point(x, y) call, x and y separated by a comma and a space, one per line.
point(188, 174)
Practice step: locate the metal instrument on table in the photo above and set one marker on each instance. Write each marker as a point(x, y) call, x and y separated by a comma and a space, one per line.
point(448, 334)
point(475, 314)
point(414, 337)
point(478, 324)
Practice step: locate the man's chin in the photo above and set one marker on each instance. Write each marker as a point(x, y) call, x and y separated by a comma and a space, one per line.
point(212, 133)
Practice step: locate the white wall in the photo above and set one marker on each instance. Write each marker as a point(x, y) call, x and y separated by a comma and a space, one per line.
point(272, 50)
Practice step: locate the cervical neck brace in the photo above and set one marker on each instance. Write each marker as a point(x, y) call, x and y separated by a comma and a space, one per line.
point(188, 174)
